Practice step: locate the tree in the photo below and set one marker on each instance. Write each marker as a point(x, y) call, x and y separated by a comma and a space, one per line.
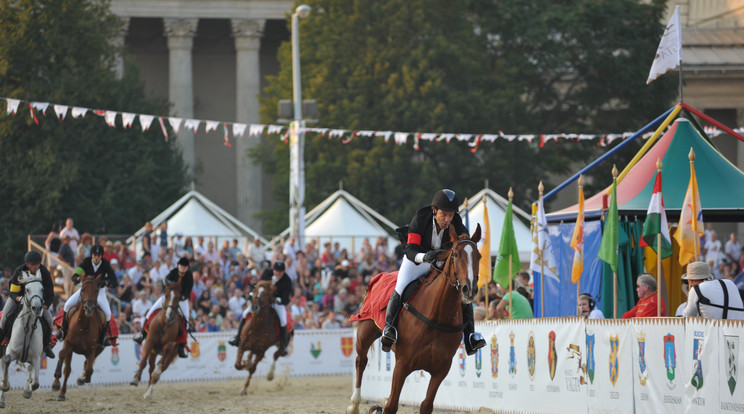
point(109, 179)
point(470, 67)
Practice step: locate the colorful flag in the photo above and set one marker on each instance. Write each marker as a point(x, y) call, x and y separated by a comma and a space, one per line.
point(610, 235)
point(542, 259)
point(577, 241)
point(656, 223)
point(690, 222)
point(669, 54)
point(484, 268)
point(507, 247)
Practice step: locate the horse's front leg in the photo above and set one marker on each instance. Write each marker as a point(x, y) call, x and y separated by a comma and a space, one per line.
point(58, 370)
point(143, 362)
point(399, 378)
point(32, 376)
point(5, 384)
point(427, 406)
point(154, 373)
point(256, 358)
point(90, 361)
point(68, 370)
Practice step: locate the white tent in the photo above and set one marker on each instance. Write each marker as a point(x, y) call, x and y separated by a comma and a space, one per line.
point(195, 215)
point(345, 219)
point(496, 212)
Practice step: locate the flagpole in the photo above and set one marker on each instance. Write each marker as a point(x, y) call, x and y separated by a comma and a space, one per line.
point(540, 189)
point(658, 257)
point(489, 263)
point(467, 214)
point(511, 298)
point(578, 282)
point(614, 273)
point(679, 48)
point(695, 237)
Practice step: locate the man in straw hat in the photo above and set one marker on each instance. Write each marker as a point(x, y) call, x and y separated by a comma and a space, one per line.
point(710, 298)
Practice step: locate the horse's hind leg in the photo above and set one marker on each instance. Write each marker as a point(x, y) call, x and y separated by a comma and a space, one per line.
point(89, 363)
point(154, 374)
point(367, 333)
point(270, 374)
point(81, 379)
point(143, 362)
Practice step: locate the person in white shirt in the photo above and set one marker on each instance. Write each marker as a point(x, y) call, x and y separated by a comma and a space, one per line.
point(141, 305)
point(588, 307)
point(713, 249)
point(733, 248)
point(211, 255)
point(69, 230)
point(709, 298)
point(236, 302)
point(257, 252)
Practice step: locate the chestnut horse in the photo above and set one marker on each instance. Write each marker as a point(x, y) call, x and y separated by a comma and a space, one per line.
point(259, 333)
point(83, 336)
point(429, 340)
point(163, 331)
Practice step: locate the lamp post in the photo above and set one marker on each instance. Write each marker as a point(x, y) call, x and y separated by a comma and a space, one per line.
point(297, 137)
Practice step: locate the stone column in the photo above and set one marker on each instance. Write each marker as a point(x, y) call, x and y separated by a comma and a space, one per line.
point(118, 45)
point(247, 33)
point(180, 33)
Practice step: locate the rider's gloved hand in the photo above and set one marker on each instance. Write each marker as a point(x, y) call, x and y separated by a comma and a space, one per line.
point(432, 255)
point(75, 279)
point(279, 301)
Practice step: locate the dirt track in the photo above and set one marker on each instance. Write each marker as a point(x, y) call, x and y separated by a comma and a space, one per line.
point(283, 395)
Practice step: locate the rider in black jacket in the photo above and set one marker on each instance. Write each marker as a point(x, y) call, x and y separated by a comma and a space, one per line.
point(428, 237)
point(32, 266)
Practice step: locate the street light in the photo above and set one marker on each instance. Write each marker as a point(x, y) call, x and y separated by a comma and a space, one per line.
point(297, 137)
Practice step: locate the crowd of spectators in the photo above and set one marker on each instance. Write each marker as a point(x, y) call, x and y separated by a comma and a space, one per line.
point(329, 282)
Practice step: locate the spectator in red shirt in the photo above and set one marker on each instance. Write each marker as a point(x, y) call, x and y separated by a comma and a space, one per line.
point(646, 306)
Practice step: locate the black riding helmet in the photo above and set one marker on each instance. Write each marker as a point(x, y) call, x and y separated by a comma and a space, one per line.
point(33, 257)
point(96, 249)
point(446, 200)
point(279, 265)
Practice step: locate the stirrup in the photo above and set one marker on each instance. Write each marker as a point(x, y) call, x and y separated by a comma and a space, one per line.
point(235, 341)
point(473, 344)
point(389, 337)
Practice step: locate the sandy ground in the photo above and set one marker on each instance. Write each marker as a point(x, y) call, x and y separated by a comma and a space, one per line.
point(283, 395)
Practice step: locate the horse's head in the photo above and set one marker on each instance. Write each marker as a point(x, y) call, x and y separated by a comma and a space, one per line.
point(89, 293)
point(463, 262)
point(33, 296)
point(263, 296)
point(172, 296)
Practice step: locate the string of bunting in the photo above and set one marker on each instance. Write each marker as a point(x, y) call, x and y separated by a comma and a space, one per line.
point(345, 135)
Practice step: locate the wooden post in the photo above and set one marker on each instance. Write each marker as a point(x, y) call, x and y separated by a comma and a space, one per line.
point(614, 273)
point(511, 295)
point(695, 238)
point(578, 284)
point(658, 259)
point(540, 189)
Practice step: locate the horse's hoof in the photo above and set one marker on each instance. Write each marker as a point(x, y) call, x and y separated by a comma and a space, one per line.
point(5, 387)
point(61, 398)
point(244, 392)
point(134, 383)
point(375, 410)
point(55, 387)
point(27, 394)
point(80, 381)
point(2, 404)
point(35, 387)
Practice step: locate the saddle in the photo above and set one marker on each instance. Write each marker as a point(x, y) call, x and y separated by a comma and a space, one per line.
point(11, 320)
point(182, 337)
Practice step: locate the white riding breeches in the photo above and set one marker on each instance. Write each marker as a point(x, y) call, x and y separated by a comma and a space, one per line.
point(410, 271)
point(182, 304)
point(102, 302)
point(281, 313)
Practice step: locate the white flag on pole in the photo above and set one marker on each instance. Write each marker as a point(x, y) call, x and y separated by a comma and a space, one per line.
point(669, 53)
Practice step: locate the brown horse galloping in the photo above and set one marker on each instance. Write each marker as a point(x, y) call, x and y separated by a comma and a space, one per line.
point(161, 338)
point(427, 341)
point(259, 333)
point(86, 321)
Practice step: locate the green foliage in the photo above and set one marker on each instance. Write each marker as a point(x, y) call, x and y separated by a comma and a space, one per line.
point(110, 180)
point(469, 67)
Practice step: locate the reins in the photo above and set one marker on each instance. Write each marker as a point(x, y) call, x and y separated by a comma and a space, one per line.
point(33, 321)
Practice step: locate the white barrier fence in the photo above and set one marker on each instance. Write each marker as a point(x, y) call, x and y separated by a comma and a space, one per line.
point(569, 365)
point(313, 352)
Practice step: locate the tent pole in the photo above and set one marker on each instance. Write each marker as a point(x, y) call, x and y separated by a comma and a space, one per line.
point(542, 289)
point(614, 294)
point(578, 310)
point(609, 153)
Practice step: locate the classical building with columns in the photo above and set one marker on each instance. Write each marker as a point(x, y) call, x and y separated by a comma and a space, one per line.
point(209, 59)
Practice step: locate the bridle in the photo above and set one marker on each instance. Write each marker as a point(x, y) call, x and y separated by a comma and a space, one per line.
point(27, 300)
point(454, 282)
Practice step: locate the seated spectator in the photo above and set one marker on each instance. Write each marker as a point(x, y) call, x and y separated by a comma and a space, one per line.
point(141, 304)
point(330, 322)
point(522, 309)
point(587, 307)
point(647, 302)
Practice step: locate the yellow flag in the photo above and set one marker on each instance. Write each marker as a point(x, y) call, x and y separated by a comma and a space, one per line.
point(484, 269)
point(690, 222)
point(577, 241)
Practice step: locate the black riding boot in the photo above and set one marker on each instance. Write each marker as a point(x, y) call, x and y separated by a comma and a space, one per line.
point(471, 343)
point(140, 336)
point(47, 332)
point(389, 334)
point(236, 340)
point(104, 334)
point(182, 351)
point(283, 341)
point(63, 329)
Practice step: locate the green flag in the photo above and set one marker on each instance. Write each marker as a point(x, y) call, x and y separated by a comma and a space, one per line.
point(507, 247)
point(608, 247)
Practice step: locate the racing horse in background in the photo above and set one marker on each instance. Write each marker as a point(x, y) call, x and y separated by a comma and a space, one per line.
point(26, 342)
point(86, 326)
point(430, 327)
point(163, 331)
point(259, 333)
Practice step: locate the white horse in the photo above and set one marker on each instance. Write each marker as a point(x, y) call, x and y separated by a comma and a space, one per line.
point(25, 344)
